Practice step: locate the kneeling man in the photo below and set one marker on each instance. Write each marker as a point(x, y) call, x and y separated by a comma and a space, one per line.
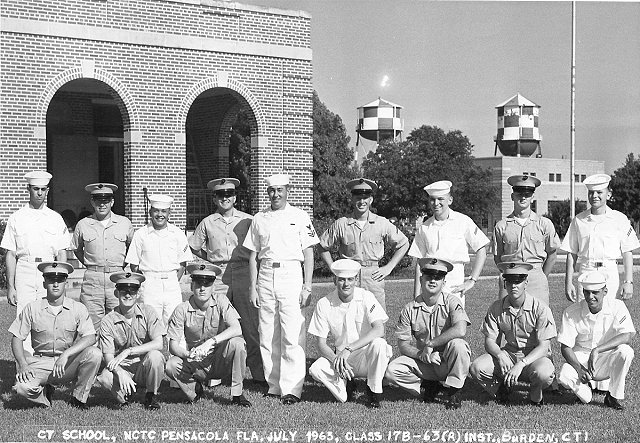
point(527, 326)
point(355, 319)
point(131, 343)
point(440, 358)
point(62, 336)
point(595, 335)
point(211, 328)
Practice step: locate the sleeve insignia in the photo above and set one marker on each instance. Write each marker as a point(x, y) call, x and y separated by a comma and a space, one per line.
point(623, 319)
point(185, 248)
point(312, 232)
point(373, 306)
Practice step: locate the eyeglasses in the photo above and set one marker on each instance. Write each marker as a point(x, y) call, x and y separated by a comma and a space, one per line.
point(55, 278)
point(225, 193)
point(430, 274)
point(101, 199)
point(204, 281)
point(515, 279)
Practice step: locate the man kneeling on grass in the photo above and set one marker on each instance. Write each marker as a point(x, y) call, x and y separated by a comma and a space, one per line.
point(211, 328)
point(356, 320)
point(440, 359)
point(131, 343)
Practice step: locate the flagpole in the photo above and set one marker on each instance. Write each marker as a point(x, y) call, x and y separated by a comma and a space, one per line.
point(572, 161)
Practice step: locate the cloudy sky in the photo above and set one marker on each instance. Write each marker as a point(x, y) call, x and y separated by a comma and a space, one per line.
point(450, 63)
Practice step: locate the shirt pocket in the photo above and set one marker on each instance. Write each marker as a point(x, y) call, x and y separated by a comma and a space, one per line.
point(69, 335)
point(349, 244)
point(120, 237)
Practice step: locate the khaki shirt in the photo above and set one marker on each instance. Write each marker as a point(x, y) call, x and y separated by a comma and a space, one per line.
point(530, 243)
point(116, 334)
point(223, 239)
point(196, 326)
point(103, 246)
point(417, 321)
point(52, 334)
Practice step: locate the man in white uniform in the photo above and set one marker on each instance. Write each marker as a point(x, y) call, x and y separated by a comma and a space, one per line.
point(598, 237)
point(355, 319)
point(34, 234)
point(160, 252)
point(448, 235)
point(595, 336)
point(282, 238)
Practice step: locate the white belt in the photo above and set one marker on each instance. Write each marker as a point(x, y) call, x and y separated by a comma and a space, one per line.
point(280, 264)
point(31, 259)
point(160, 275)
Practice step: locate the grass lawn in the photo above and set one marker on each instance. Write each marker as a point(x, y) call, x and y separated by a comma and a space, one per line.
point(19, 421)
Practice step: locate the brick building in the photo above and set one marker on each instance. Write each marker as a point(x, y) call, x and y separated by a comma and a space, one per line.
point(143, 93)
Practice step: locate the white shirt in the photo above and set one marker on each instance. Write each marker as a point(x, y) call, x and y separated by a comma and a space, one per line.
point(346, 322)
point(159, 250)
point(448, 239)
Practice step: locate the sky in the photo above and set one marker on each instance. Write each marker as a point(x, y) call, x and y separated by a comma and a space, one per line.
point(449, 63)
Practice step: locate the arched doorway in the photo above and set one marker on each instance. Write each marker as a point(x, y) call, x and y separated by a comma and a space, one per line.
point(218, 131)
point(85, 144)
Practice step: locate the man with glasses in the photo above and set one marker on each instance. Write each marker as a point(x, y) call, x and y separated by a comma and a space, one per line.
point(62, 337)
point(33, 234)
point(526, 326)
point(131, 342)
point(100, 243)
point(218, 239)
point(437, 322)
point(363, 237)
point(214, 345)
point(527, 237)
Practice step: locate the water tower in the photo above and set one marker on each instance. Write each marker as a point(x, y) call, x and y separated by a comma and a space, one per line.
point(518, 133)
point(379, 120)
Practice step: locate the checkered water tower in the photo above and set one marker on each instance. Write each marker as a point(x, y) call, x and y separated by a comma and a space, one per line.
point(379, 120)
point(518, 133)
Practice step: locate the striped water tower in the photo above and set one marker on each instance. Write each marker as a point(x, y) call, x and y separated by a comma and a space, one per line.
point(518, 133)
point(379, 120)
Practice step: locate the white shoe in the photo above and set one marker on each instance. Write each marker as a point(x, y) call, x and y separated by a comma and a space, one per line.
point(583, 391)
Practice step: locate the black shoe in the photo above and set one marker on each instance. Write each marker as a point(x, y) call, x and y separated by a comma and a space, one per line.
point(240, 400)
point(612, 402)
point(431, 389)
point(502, 396)
point(261, 383)
point(199, 390)
point(599, 391)
point(270, 395)
point(452, 398)
point(373, 399)
point(48, 392)
point(150, 401)
point(351, 389)
point(290, 399)
point(78, 404)
point(537, 404)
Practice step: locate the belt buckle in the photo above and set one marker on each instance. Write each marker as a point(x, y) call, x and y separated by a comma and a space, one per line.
point(164, 276)
point(599, 264)
point(275, 265)
point(37, 260)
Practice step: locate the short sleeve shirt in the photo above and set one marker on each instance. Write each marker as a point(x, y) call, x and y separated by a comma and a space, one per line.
point(448, 239)
point(529, 243)
point(362, 244)
point(523, 328)
point(197, 326)
point(52, 334)
point(346, 322)
point(159, 250)
point(583, 331)
point(223, 238)
point(116, 334)
point(604, 237)
point(281, 235)
point(417, 321)
point(35, 233)
point(103, 246)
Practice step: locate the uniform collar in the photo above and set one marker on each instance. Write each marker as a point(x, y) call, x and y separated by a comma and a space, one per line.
point(586, 214)
point(452, 216)
point(586, 313)
point(120, 317)
point(532, 216)
point(170, 228)
point(191, 305)
point(66, 303)
point(113, 219)
point(218, 216)
point(526, 306)
point(335, 300)
point(419, 303)
point(371, 218)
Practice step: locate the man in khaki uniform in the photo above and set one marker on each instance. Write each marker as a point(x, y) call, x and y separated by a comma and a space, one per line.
point(131, 343)
point(62, 337)
point(440, 358)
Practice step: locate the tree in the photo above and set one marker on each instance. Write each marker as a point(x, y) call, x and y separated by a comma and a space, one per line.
point(240, 158)
point(332, 163)
point(625, 187)
point(561, 217)
point(403, 169)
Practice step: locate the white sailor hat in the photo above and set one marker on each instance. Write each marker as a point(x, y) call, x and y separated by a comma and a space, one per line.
point(101, 188)
point(127, 278)
point(55, 267)
point(593, 280)
point(523, 181)
point(597, 182)
point(514, 268)
point(38, 178)
point(277, 180)
point(435, 264)
point(439, 188)
point(345, 268)
point(362, 186)
point(223, 183)
point(204, 271)
point(160, 201)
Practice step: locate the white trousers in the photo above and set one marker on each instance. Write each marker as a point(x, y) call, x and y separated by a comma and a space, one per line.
point(455, 278)
point(280, 326)
point(612, 365)
point(163, 294)
point(29, 287)
point(370, 361)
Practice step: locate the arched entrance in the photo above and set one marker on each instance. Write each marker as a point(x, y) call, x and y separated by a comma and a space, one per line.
point(85, 144)
point(218, 130)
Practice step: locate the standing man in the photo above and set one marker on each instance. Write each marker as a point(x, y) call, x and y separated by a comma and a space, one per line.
point(215, 348)
point(595, 336)
point(355, 319)
point(282, 238)
point(448, 235)
point(100, 243)
point(362, 237)
point(131, 343)
point(160, 251)
point(437, 322)
point(218, 239)
point(34, 234)
point(526, 325)
point(526, 237)
point(598, 237)
point(62, 337)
